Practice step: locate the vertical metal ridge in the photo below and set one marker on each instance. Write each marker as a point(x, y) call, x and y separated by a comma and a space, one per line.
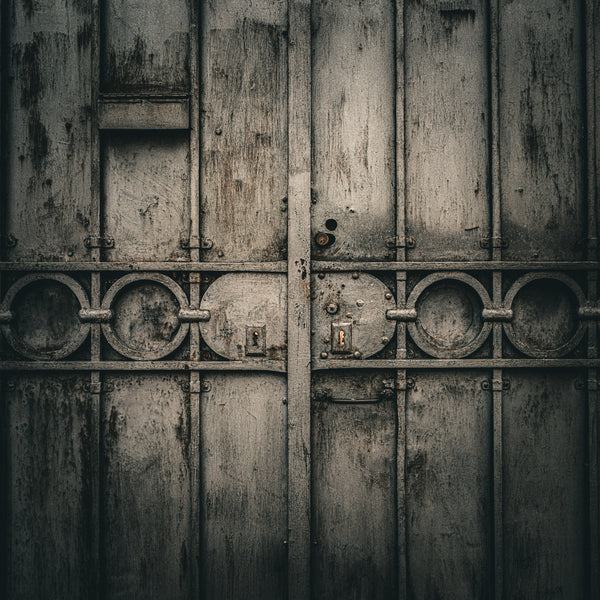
point(95, 297)
point(401, 352)
point(194, 378)
point(590, 36)
point(496, 255)
point(299, 364)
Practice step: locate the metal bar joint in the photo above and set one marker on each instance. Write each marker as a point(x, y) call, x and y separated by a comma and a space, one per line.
point(589, 312)
point(401, 314)
point(497, 314)
point(193, 315)
point(95, 315)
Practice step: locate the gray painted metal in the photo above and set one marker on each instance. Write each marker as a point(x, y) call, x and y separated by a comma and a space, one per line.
point(167, 179)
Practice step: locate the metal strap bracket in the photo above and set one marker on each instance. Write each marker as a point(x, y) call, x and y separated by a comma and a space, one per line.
point(401, 241)
point(495, 385)
point(99, 241)
point(497, 314)
point(98, 388)
point(6, 317)
point(401, 314)
point(493, 242)
point(193, 315)
point(95, 315)
point(195, 243)
point(589, 312)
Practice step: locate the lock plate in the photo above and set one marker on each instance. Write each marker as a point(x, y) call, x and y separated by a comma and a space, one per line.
point(341, 338)
point(256, 340)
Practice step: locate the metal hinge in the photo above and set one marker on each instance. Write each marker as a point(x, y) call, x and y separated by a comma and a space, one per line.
point(99, 241)
point(8, 241)
point(195, 243)
point(493, 242)
point(496, 385)
point(98, 388)
point(401, 241)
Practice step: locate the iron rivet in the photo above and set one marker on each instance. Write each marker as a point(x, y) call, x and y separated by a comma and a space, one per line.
point(206, 387)
point(324, 355)
point(284, 401)
point(321, 275)
point(332, 308)
point(220, 253)
point(355, 275)
point(219, 130)
point(385, 339)
point(360, 303)
point(357, 354)
point(322, 239)
point(388, 295)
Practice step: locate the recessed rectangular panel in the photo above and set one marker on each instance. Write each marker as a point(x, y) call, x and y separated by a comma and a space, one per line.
point(353, 128)
point(46, 141)
point(146, 195)
point(50, 486)
point(446, 87)
point(244, 129)
point(545, 506)
point(542, 118)
point(146, 525)
point(449, 485)
point(244, 487)
point(353, 489)
point(145, 45)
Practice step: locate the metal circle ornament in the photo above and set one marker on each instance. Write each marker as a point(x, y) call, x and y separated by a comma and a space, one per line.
point(42, 316)
point(545, 321)
point(145, 321)
point(349, 316)
point(449, 309)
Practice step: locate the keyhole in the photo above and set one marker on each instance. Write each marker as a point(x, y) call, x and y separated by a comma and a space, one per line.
point(341, 337)
point(255, 335)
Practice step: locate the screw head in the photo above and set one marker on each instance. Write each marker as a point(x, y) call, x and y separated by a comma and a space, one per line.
point(321, 275)
point(324, 355)
point(385, 339)
point(332, 308)
point(388, 295)
point(355, 275)
point(360, 303)
point(322, 239)
point(357, 354)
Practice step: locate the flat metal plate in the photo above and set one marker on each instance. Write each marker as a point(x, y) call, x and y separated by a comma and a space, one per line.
point(242, 302)
point(361, 301)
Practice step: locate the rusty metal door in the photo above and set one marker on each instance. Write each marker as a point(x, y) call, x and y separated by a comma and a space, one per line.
point(299, 299)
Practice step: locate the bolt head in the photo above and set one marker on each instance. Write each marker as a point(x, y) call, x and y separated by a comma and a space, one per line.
point(322, 239)
point(321, 275)
point(332, 308)
point(355, 275)
point(324, 355)
point(360, 303)
point(385, 339)
point(357, 354)
point(388, 295)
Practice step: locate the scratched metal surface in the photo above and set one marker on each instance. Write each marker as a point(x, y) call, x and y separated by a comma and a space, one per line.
point(191, 406)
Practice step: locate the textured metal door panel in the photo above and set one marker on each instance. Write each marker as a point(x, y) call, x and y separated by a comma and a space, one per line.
point(299, 299)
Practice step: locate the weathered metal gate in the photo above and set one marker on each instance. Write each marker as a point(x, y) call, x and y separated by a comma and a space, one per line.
point(300, 299)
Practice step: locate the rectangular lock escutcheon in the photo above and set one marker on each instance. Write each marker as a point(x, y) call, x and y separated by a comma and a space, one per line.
point(341, 338)
point(256, 340)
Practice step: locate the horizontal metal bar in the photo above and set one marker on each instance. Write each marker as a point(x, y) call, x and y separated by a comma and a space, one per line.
point(276, 366)
point(480, 265)
point(180, 266)
point(458, 363)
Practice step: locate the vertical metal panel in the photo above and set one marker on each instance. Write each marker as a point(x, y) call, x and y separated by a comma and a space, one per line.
point(49, 425)
point(446, 129)
point(449, 489)
point(146, 488)
point(542, 108)
point(353, 490)
point(145, 45)
point(243, 465)
point(299, 303)
point(47, 136)
point(545, 522)
point(146, 195)
point(244, 129)
point(353, 127)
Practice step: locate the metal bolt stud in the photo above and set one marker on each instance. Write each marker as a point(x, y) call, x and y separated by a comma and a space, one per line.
point(332, 308)
point(385, 339)
point(360, 303)
point(355, 275)
point(388, 295)
point(321, 275)
point(322, 239)
point(324, 355)
point(357, 354)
